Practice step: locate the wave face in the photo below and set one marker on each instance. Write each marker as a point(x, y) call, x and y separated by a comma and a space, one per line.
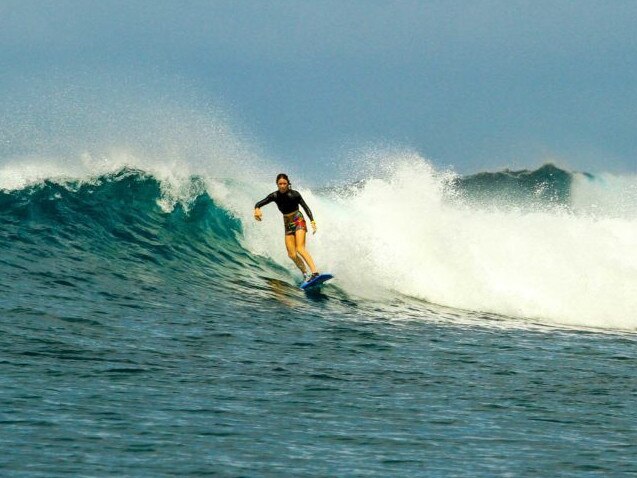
point(113, 238)
point(558, 255)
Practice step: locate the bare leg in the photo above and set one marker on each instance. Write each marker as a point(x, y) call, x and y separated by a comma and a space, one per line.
point(291, 247)
point(300, 249)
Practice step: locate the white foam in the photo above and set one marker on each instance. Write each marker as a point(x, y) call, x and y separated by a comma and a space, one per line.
point(399, 234)
point(606, 195)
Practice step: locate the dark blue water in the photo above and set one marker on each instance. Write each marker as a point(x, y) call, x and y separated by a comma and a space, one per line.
point(135, 342)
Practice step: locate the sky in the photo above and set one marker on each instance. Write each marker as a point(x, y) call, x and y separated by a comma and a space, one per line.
point(469, 85)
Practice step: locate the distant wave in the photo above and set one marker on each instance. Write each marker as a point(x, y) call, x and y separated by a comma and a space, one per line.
point(545, 185)
point(601, 195)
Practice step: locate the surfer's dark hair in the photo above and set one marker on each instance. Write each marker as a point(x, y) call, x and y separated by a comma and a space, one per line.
point(283, 176)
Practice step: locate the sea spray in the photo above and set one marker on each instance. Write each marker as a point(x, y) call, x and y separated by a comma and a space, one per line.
point(402, 233)
point(605, 195)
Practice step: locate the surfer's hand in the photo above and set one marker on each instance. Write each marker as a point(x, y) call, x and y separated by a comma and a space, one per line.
point(258, 214)
point(313, 227)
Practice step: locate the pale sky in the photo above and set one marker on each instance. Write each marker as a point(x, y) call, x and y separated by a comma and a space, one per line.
point(475, 85)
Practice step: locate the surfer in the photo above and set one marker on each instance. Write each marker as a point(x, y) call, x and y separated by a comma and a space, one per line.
point(288, 201)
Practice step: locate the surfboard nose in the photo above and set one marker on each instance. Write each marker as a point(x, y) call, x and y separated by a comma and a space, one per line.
point(318, 280)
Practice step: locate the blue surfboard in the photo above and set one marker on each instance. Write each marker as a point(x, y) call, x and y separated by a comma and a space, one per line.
point(316, 281)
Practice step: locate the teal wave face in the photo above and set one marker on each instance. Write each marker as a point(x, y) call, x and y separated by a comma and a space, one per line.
point(114, 228)
point(123, 205)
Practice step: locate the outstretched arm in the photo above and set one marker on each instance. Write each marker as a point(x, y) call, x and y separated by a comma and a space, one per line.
point(257, 207)
point(267, 200)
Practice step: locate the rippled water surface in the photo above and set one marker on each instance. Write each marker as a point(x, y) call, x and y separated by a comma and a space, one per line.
point(188, 388)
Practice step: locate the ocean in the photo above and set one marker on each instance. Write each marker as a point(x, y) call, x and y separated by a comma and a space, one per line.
point(479, 325)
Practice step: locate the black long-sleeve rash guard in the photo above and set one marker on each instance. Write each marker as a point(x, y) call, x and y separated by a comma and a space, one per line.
point(286, 202)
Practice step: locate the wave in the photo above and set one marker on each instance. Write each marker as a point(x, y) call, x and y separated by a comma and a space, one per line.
point(103, 234)
point(466, 243)
point(602, 195)
point(547, 185)
point(416, 231)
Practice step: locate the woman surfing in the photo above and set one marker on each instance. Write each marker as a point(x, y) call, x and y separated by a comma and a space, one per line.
point(288, 201)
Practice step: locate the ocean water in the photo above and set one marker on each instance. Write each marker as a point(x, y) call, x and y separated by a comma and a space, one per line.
point(477, 326)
